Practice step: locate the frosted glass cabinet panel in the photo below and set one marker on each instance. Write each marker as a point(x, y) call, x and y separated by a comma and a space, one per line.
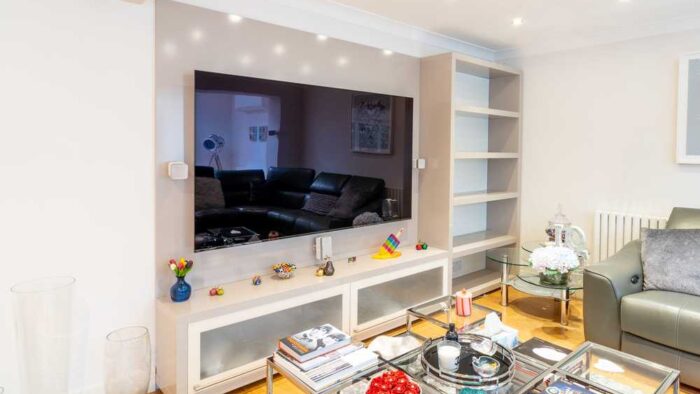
point(383, 297)
point(237, 343)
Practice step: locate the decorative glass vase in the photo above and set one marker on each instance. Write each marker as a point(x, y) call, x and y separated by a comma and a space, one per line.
point(181, 290)
point(43, 317)
point(554, 278)
point(128, 361)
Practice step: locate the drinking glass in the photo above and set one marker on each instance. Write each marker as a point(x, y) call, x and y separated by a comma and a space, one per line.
point(43, 315)
point(128, 361)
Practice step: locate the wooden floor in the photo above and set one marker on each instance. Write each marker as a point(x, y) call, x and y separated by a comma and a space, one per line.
point(532, 316)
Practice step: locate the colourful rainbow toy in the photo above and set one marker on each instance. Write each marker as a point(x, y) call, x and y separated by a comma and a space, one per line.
point(388, 248)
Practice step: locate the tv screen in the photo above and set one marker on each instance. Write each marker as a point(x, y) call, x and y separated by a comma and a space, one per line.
point(279, 159)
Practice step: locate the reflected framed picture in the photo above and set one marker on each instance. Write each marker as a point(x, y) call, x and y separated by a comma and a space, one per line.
point(688, 123)
point(253, 133)
point(371, 123)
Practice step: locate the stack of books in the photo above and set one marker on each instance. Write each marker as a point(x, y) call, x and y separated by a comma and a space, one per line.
point(323, 356)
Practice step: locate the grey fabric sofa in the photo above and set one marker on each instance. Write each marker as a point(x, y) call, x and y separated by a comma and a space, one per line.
point(660, 326)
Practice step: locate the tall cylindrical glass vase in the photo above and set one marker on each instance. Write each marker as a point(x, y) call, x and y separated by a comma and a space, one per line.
point(128, 361)
point(43, 315)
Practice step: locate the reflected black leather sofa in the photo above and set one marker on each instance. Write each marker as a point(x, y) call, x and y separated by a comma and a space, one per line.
point(275, 202)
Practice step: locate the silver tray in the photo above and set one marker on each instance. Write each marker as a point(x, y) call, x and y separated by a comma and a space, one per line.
point(465, 376)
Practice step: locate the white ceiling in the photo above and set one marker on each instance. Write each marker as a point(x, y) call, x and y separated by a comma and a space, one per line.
point(549, 24)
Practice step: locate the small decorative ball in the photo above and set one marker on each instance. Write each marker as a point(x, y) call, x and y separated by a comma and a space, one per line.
point(220, 291)
point(212, 291)
point(419, 246)
point(424, 246)
point(257, 280)
point(319, 271)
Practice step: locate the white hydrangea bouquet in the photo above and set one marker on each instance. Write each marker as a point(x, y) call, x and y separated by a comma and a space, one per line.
point(554, 258)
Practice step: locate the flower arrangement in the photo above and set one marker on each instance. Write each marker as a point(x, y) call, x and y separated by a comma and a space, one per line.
point(284, 270)
point(181, 267)
point(554, 258)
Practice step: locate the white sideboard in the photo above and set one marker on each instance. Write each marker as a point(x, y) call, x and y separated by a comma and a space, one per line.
point(214, 344)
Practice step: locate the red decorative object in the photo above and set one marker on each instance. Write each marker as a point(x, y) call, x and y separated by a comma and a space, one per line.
point(393, 382)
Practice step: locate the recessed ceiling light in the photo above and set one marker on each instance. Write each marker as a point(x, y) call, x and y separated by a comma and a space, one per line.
point(197, 34)
point(235, 18)
point(170, 48)
point(321, 37)
point(518, 21)
point(279, 49)
point(342, 61)
point(387, 52)
point(246, 59)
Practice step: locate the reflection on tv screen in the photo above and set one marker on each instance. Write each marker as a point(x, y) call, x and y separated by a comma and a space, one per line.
point(278, 159)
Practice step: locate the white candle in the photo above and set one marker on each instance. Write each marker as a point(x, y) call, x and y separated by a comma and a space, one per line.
point(448, 357)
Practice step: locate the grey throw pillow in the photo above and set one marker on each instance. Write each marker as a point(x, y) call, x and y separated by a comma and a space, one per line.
point(208, 193)
point(671, 260)
point(319, 203)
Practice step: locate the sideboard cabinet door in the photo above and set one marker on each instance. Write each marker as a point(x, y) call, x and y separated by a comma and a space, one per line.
point(381, 298)
point(224, 347)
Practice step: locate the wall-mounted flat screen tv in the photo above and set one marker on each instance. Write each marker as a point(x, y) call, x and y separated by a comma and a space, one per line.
point(279, 159)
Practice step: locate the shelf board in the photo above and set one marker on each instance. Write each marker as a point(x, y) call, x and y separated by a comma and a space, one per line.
point(463, 245)
point(483, 68)
point(486, 155)
point(488, 112)
point(479, 197)
point(478, 282)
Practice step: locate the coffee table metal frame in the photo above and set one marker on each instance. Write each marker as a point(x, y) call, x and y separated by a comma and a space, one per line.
point(442, 304)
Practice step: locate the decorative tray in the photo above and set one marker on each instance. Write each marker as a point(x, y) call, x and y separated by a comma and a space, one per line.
point(466, 376)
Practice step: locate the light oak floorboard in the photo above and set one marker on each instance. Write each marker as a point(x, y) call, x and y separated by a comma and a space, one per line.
point(531, 316)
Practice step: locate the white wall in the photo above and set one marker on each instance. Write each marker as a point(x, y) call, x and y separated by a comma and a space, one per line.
point(599, 132)
point(76, 163)
point(190, 38)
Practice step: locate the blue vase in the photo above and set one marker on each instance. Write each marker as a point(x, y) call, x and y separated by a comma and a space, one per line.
point(180, 291)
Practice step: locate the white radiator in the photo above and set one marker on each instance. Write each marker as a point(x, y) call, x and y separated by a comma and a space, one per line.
point(612, 230)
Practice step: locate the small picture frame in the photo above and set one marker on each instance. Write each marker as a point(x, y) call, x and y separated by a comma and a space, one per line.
point(688, 123)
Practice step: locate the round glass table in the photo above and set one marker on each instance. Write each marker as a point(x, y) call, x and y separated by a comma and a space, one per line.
point(528, 280)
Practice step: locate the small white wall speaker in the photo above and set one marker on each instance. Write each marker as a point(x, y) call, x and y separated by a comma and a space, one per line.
point(420, 164)
point(178, 170)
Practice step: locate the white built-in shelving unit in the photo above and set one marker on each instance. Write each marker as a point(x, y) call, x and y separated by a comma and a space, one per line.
point(471, 139)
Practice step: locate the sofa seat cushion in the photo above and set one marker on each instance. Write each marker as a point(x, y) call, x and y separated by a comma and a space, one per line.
point(668, 318)
point(310, 222)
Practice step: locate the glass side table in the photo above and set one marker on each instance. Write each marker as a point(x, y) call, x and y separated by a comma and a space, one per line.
point(528, 280)
point(507, 258)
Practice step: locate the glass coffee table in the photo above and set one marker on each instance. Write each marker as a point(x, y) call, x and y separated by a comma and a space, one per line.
point(595, 368)
point(591, 367)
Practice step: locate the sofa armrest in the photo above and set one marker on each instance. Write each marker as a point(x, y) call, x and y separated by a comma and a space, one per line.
point(604, 285)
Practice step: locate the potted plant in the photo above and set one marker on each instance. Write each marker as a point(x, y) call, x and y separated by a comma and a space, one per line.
point(181, 290)
point(554, 264)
